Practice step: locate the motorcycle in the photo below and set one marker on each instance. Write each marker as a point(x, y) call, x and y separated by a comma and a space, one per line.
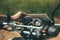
point(36, 28)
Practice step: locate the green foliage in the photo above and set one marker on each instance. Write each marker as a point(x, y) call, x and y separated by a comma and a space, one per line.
point(30, 6)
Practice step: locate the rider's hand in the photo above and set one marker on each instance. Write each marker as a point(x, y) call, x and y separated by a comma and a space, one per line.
point(55, 38)
point(21, 17)
point(18, 15)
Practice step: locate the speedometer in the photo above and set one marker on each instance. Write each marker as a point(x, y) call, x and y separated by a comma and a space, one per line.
point(37, 22)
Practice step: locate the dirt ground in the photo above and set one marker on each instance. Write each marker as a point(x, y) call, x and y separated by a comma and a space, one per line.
point(57, 20)
point(5, 35)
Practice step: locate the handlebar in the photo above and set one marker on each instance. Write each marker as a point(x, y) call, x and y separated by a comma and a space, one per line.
point(34, 30)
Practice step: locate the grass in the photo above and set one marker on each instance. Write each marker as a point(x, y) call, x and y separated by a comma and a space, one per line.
point(29, 6)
